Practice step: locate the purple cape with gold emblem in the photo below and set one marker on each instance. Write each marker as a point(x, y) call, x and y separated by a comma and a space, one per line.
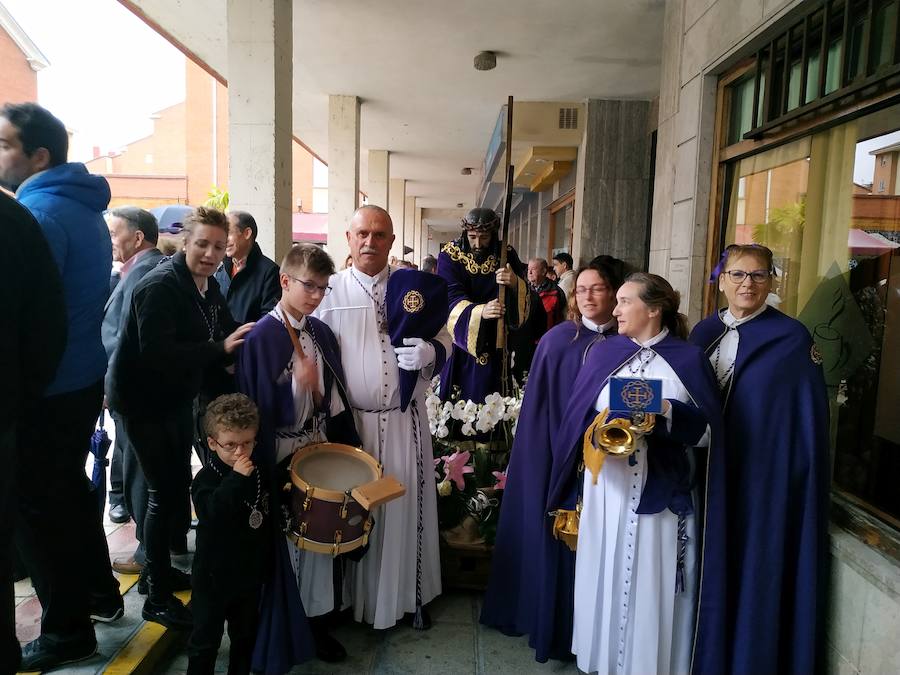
point(283, 637)
point(669, 481)
point(416, 307)
point(776, 413)
point(532, 578)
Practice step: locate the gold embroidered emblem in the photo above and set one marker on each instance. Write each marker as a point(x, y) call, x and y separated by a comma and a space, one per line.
point(413, 302)
point(483, 360)
point(815, 354)
point(456, 254)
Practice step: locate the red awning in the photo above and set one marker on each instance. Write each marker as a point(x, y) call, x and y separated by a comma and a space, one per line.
point(861, 242)
point(310, 227)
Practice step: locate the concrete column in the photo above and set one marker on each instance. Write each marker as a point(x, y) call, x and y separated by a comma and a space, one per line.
point(397, 203)
point(409, 226)
point(260, 76)
point(612, 187)
point(379, 176)
point(419, 240)
point(343, 172)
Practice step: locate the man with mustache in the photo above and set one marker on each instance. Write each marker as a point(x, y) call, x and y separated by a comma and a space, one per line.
point(470, 266)
point(400, 572)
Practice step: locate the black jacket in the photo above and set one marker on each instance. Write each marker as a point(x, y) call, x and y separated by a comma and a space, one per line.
point(253, 291)
point(115, 313)
point(31, 294)
point(166, 354)
point(231, 555)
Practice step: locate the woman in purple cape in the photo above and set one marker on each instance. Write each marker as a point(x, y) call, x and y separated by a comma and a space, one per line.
point(776, 412)
point(530, 589)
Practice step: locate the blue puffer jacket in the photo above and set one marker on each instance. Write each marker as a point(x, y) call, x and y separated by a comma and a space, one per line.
point(68, 202)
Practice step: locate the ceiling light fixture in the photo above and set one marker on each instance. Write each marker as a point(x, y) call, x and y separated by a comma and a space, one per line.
point(466, 171)
point(485, 61)
point(459, 205)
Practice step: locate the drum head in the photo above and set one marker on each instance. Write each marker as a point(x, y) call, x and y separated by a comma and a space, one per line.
point(334, 467)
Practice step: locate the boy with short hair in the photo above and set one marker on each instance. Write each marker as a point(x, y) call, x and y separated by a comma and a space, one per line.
point(232, 503)
point(298, 392)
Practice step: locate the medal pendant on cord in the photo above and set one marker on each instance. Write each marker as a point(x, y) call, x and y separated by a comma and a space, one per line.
point(256, 518)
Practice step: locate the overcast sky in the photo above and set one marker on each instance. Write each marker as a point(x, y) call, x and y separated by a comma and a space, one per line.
point(108, 70)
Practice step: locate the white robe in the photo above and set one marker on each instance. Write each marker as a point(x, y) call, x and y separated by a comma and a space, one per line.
point(628, 617)
point(382, 586)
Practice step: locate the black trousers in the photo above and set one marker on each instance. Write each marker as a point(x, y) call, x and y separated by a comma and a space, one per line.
point(212, 608)
point(10, 655)
point(59, 532)
point(116, 494)
point(134, 486)
point(163, 448)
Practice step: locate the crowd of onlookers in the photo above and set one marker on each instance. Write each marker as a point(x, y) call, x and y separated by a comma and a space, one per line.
point(72, 352)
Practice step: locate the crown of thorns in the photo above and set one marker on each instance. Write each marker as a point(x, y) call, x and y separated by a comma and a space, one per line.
point(480, 220)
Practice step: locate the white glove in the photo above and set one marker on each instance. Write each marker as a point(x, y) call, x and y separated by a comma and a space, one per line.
point(418, 354)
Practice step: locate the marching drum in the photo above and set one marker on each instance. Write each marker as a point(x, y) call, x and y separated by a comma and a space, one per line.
point(333, 488)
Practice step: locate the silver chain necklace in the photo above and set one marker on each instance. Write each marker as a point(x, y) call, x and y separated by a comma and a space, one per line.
point(380, 308)
point(638, 363)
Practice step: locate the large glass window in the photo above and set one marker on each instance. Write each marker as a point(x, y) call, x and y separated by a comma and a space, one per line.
point(828, 206)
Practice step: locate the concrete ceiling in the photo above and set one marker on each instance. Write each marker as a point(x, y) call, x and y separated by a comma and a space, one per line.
point(411, 64)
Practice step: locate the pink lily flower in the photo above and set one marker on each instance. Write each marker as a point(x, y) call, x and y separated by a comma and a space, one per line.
point(501, 479)
point(455, 468)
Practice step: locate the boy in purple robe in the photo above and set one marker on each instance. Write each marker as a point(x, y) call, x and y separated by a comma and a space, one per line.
point(469, 265)
point(298, 393)
point(775, 404)
point(532, 578)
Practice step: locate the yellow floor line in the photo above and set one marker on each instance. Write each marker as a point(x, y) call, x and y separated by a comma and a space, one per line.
point(134, 653)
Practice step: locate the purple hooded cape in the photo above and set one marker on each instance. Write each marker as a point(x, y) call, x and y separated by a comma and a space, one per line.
point(669, 481)
point(283, 638)
point(532, 578)
point(776, 409)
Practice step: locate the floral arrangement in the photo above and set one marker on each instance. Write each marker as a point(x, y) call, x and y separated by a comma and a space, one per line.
point(471, 451)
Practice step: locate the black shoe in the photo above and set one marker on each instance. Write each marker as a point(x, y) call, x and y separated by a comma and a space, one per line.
point(328, 649)
point(107, 610)
point(171, 613)
point(180, 581)
point(42, 654)
point(118, 513)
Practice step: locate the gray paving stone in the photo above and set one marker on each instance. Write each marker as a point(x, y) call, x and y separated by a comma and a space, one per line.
point(499, 654)
point(446, 648)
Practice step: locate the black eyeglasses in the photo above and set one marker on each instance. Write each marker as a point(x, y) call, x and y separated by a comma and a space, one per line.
point(311, 287)
point(234, 447)
point(756, 276)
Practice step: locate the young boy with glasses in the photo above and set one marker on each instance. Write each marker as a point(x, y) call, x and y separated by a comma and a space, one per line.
point(232, 503)
point(290, 366)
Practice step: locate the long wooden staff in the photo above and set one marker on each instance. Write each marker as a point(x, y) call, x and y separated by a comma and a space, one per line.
point(504, 235)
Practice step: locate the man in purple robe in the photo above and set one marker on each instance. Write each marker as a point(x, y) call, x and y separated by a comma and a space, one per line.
point(532, 577)
point(470, 266)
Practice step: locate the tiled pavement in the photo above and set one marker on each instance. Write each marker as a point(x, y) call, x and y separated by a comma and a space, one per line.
point(457, 643)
